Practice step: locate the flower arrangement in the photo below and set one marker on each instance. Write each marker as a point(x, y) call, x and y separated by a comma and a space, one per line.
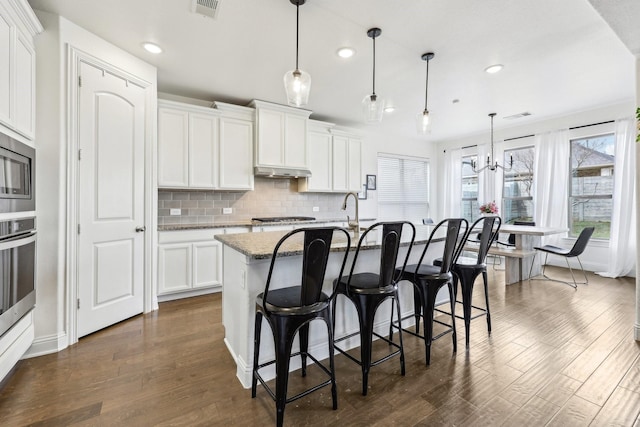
point(490, 208)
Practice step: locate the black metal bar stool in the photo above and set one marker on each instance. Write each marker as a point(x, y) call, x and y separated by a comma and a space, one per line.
point(428, 279)
point(466, 269)
point(291, 309)
point(368, 290)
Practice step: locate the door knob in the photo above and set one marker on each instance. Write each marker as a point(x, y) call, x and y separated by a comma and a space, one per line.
point(140, 229)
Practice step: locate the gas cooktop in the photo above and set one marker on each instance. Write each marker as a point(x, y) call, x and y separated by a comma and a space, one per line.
point(284, 219)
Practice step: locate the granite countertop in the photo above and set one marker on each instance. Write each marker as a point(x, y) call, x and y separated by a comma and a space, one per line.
point(261, 245)
point(249, 223)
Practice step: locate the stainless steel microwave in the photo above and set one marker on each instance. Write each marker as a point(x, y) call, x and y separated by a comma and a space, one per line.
point(17, 176)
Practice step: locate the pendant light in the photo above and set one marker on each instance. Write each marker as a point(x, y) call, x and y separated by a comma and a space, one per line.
point(492, 163)
point(297, 83)
point(373, 105)
point(423, 121)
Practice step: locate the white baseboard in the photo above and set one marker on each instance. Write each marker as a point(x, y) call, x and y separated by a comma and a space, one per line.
point(189, 294)
point(47, 344)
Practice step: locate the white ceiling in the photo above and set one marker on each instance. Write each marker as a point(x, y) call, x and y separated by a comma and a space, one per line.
point(559, 56)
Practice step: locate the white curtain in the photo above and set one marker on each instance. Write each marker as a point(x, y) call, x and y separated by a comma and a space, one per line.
point(622, 242)
point(551, 181)
point(452, 184)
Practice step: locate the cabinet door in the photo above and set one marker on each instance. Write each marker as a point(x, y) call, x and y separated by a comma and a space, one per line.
point(207, 264)
point(270, 136)
point(174, 268)
point(203, 151)
point(295, 141)
point(7, 33)
point(340, 163)
point(320, 162)
point(25, 58)
point(355, 161)
point(173, 148)
point(236, 154)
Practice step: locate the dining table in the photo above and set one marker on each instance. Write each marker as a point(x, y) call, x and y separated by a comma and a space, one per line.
point(518, 259)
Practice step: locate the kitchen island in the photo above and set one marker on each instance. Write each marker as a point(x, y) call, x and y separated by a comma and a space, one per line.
point(246, 260)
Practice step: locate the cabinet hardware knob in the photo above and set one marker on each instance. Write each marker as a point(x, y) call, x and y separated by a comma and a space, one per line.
point(140, 229)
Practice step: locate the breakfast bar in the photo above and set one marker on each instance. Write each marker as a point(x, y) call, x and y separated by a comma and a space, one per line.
point(247, 258)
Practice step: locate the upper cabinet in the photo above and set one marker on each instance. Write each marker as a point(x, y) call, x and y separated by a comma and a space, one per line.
point(204, 148)
point(334, 160)
point(281, 136)
point(18, 27)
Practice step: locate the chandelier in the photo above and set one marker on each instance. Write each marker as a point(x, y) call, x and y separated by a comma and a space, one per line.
point(492, 164)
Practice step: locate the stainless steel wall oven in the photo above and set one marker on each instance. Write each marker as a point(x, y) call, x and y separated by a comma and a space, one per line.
point(17, 270)
point(17, 168)
point(17, 232)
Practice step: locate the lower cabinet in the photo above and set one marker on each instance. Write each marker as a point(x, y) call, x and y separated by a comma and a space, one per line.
point(189, 263)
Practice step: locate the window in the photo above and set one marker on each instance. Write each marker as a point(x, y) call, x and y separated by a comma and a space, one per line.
point(591, 192)
point(470, 206)
point(403, 188)
point(517, 191)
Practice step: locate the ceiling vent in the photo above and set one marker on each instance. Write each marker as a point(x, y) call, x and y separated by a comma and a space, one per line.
point(517, 116)
point(208, 8)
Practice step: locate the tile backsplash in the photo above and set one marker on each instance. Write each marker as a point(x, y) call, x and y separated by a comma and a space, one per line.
point(270, 197)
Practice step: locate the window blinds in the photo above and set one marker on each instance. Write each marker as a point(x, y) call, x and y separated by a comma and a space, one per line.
point(403, 188)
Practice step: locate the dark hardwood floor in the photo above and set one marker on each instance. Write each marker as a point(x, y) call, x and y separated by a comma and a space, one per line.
point(556, 357)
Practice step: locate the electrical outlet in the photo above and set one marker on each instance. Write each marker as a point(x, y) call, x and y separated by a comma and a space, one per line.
point(175, 212)
point(227, 211)
point(316, 209)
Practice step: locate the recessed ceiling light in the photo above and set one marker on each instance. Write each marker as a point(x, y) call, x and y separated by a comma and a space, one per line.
point(152, 47)
point(346, 52)
point(492, 69)
point(389, 109)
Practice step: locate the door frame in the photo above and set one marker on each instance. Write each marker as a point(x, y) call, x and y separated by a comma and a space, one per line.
point(76, 56)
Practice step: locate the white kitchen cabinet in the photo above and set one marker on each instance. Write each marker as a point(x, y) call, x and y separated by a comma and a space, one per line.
point(173, 148)
point(320, 157)
point(205, 148)
point(18, 27)
point(355, 164)
point(187, 146)
point(203, 151)
point(281, 136)
point(189, 263)
point(335, 163)
point(236, 147)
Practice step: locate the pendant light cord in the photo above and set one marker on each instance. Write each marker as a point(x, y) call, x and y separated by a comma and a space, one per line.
point(374, 65)
point(426, 88)
point(297, 31)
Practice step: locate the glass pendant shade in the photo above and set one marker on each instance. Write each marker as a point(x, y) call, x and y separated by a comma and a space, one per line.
point(372, 108)
point(423, 123)
point(297, 84)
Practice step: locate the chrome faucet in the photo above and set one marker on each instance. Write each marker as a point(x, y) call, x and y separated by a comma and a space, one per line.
point(352, 225)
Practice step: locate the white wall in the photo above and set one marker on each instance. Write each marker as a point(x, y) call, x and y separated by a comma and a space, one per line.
point(374, 143)
point(594, 258)
point(51, 316)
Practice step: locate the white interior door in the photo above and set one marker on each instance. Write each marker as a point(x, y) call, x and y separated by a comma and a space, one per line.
point(111, 130)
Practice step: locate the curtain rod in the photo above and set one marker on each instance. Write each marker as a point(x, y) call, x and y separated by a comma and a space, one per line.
point(528, 136)
point(592, 124)
point(518, 137)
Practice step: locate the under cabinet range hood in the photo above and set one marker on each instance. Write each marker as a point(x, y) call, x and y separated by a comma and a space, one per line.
point(280, 172)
